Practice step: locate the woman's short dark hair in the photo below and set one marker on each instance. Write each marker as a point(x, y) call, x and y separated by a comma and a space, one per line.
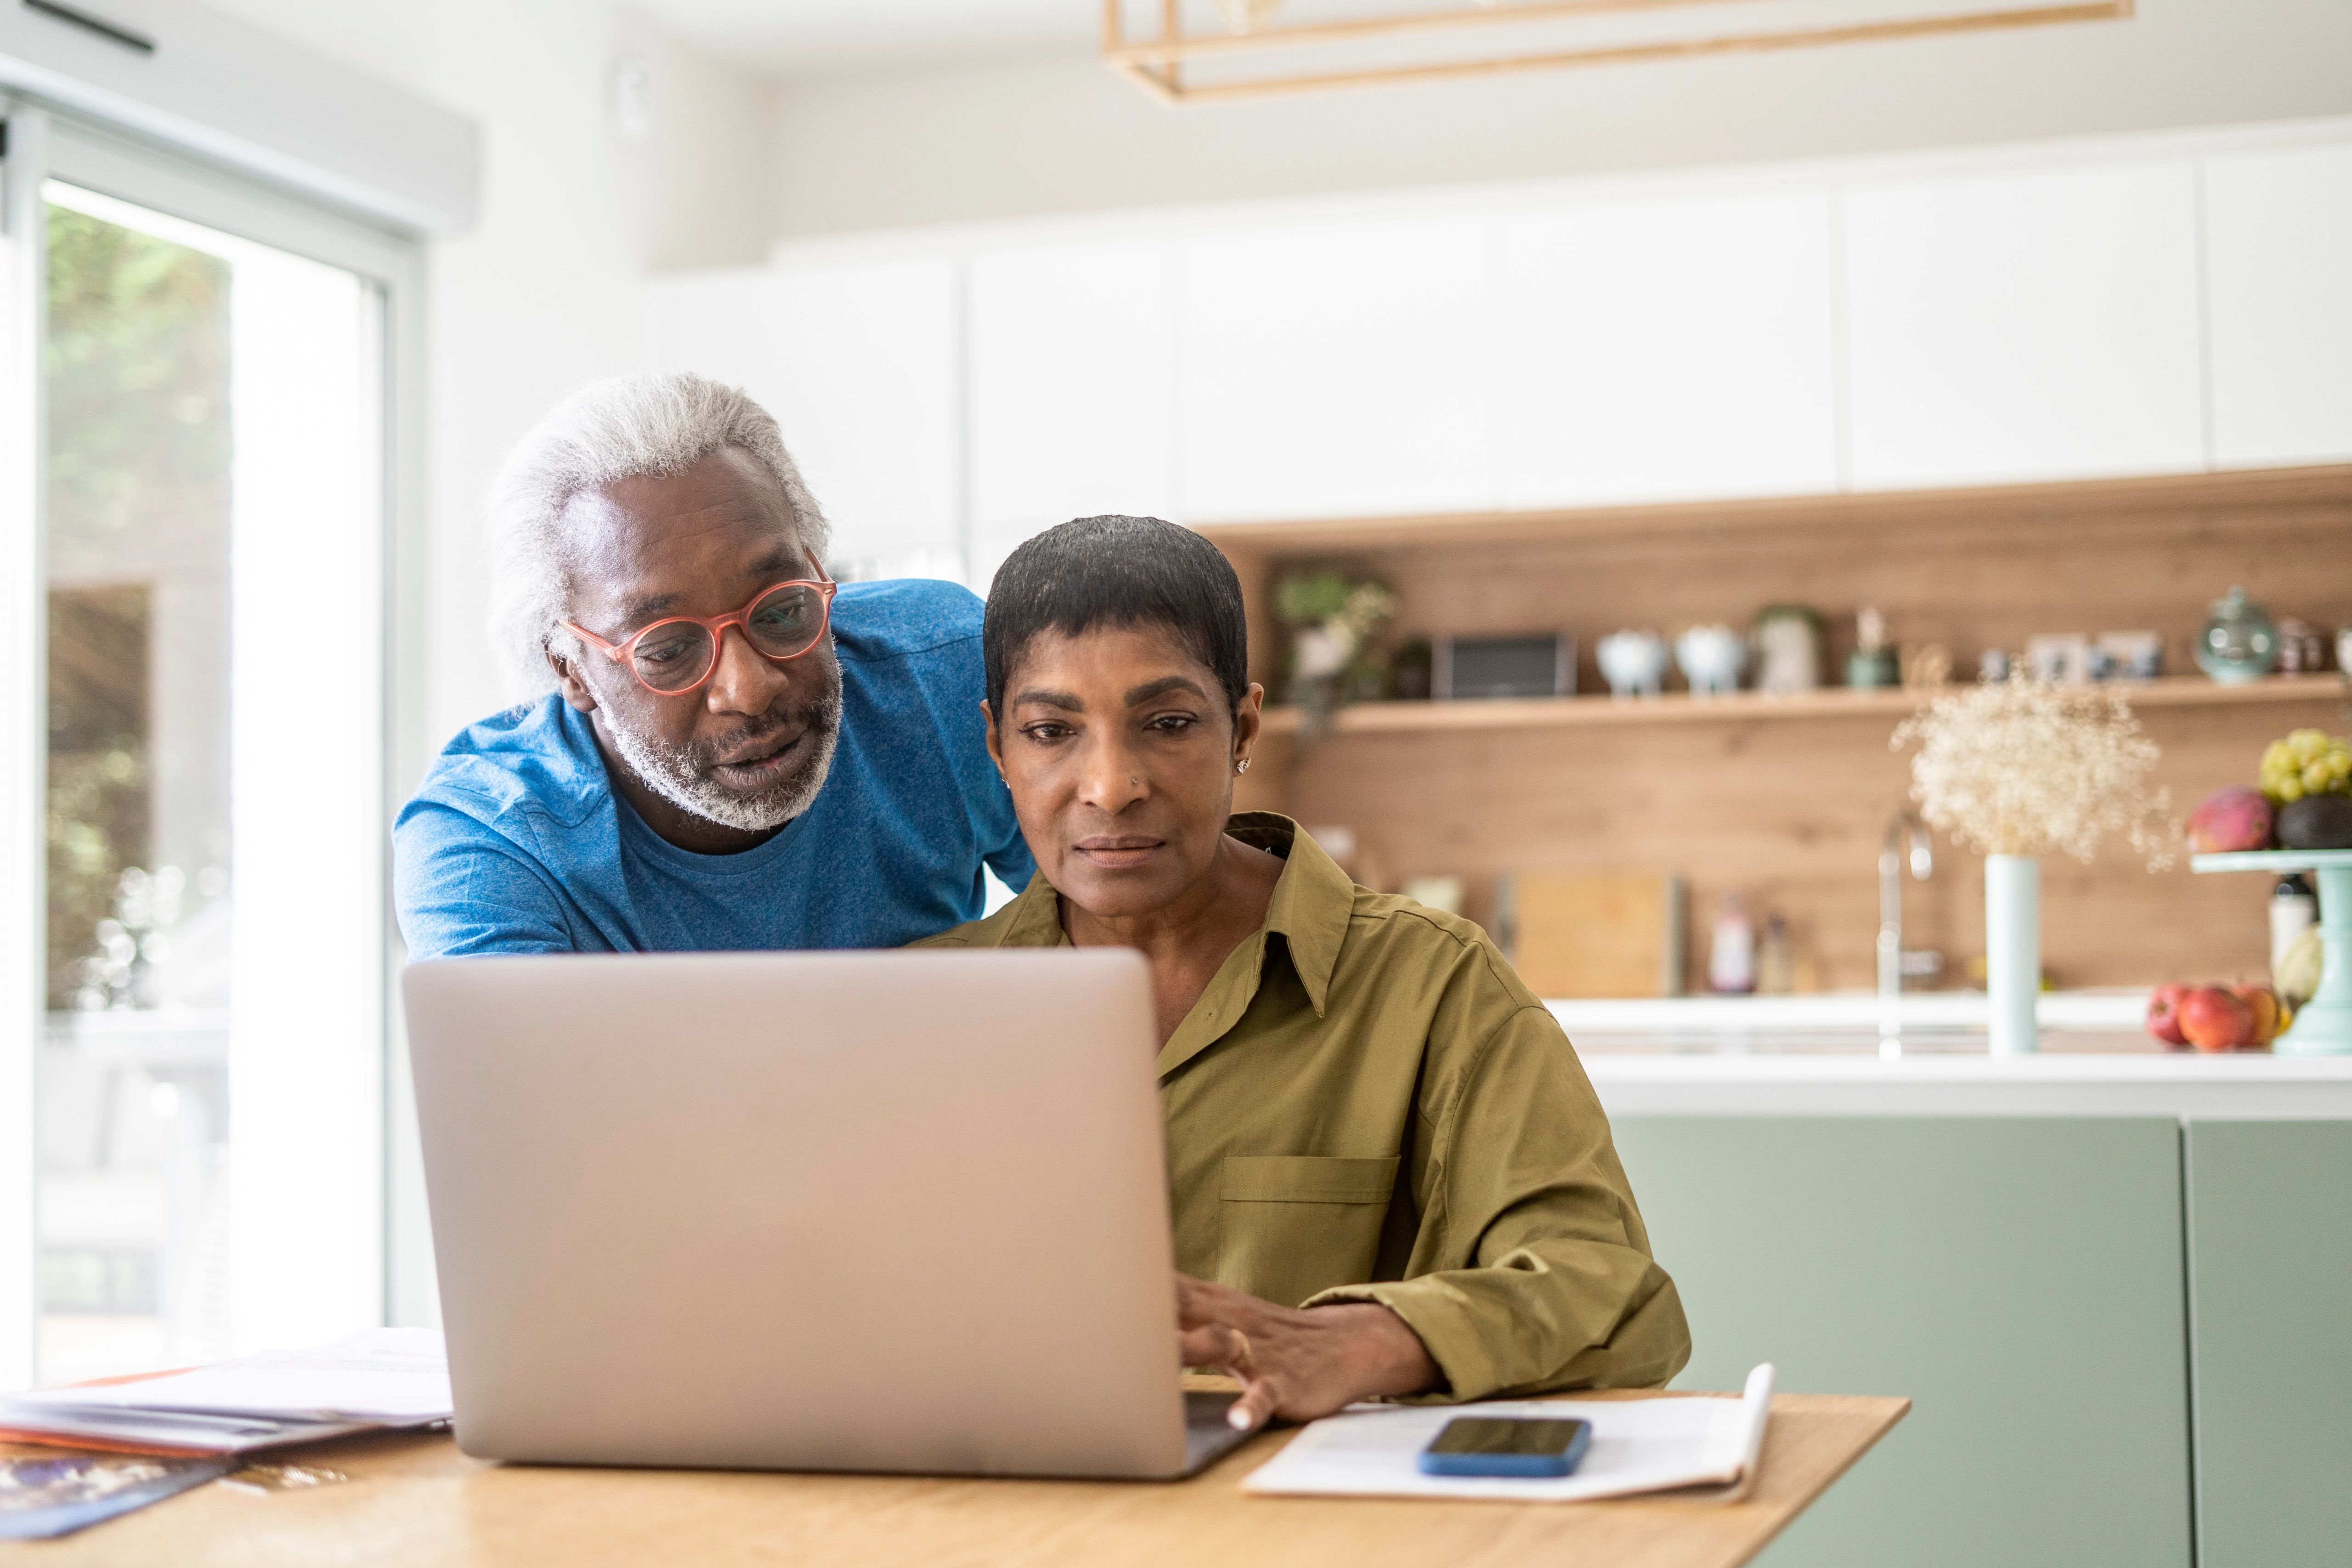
point(1118, 572)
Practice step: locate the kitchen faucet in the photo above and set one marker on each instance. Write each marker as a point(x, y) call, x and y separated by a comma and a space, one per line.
point(1905, 832)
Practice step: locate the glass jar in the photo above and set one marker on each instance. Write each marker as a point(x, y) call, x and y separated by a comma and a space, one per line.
point(2239, 643)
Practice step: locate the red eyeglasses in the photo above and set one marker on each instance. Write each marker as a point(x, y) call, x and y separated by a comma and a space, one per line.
point(674, 656)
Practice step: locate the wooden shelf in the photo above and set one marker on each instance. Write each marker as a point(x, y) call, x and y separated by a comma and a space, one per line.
point(1743, 707)
point(1973, 507)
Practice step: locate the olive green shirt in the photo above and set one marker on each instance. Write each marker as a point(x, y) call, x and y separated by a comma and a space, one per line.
point(1367, 1105)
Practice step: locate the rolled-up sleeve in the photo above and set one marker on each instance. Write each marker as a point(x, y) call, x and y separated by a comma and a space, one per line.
point(1531, 1269)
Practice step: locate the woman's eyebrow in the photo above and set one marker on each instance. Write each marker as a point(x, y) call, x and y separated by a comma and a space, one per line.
point(1061, 699)
point(1164, 685)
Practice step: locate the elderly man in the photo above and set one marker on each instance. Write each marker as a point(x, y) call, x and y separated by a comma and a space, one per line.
point(725, 749)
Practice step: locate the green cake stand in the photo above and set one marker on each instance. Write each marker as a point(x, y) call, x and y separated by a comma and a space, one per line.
point(2323, 1026)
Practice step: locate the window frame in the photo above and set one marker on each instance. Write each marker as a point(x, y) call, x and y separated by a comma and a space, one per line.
point(44, 143)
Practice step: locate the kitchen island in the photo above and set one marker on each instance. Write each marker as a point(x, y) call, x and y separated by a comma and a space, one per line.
point(2114, 1278)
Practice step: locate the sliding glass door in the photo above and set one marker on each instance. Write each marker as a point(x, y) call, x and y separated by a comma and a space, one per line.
point(202, 1050)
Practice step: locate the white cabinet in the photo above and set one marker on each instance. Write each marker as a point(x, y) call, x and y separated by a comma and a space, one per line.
point(2024, 326)
point(1670, 351)
point(858, 364)
point(864, 384)
point(2278, 270)
point(1338, 370)
point(1072, 389)
point(2086, 314)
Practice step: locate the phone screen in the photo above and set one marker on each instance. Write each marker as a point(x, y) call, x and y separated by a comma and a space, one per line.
point(1489, 1435)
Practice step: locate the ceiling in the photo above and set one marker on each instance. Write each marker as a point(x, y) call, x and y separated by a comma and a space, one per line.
point(817, 38)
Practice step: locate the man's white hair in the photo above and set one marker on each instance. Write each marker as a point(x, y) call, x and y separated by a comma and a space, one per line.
point(629, 427)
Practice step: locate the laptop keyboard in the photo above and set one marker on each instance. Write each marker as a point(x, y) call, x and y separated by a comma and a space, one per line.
point(1207, 1437)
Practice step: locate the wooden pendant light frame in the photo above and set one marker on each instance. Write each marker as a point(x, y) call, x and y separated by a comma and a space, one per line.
point(1157, 65)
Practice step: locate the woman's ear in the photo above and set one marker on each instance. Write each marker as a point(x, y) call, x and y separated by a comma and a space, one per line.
point(1249, 718)
point(995, 747)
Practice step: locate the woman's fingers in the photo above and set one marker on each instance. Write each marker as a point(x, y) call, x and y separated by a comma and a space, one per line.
point(1214, 1345)
point(1256, 1405)
point(1201, 1302)
point(1228, 1349)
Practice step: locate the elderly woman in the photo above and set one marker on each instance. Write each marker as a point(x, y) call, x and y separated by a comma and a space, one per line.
point(1381, 1147)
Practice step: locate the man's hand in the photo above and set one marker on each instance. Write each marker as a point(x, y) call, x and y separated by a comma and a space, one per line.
point(1299, 1364)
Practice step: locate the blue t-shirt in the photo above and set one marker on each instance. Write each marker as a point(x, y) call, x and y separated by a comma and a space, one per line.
point(517, 843)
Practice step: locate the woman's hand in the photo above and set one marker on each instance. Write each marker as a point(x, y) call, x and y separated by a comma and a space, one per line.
point(1299, 1364)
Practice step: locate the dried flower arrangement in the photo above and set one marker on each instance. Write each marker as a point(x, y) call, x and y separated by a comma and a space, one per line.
point(2026, 767)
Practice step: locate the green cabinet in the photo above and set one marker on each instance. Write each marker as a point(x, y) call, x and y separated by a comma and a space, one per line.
point(2020, 1280)
point(2270, 1296)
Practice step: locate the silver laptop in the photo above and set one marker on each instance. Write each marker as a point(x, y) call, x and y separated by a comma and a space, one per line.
point(862, 1211)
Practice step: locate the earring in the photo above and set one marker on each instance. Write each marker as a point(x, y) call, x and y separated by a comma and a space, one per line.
point(1242, 766)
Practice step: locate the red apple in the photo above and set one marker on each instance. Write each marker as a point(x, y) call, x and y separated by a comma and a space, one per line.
point(2233, 818)
point(2164, 1013)
point(2263, 1003)
point(2214, 1020)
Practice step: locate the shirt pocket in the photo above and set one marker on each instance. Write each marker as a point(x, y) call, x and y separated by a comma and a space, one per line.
point(1292, 1224)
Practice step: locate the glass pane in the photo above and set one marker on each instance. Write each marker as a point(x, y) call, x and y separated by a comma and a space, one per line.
point(214, 426)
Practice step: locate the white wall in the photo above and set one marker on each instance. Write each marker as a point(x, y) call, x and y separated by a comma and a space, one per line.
point(544, 293)
point(1029, 138)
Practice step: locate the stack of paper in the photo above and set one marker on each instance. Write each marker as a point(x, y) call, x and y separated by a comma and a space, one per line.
point(1638, 1446)
point(385, 1378)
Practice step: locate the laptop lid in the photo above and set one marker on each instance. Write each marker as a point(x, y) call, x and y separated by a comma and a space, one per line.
point(869, 1211)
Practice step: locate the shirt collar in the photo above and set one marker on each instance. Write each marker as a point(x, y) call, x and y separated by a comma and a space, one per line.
point(1312, 899)
point(1312, 902)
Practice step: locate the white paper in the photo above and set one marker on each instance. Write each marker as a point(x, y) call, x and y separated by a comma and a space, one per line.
point(1638, 1446)
point(392, 1376)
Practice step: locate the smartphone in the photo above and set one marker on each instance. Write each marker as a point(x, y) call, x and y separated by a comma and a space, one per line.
point(1510, 1446)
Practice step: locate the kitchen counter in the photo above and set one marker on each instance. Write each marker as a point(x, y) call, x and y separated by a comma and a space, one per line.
point(1820, 1056)
point(1843, 1075)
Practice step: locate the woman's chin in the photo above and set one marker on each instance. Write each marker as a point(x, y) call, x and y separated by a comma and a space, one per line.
point(1118, 892)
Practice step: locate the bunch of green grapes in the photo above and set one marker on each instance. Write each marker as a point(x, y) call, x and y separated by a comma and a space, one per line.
point(2308, 761)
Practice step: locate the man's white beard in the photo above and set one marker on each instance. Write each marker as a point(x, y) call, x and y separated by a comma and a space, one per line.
point(673, 773)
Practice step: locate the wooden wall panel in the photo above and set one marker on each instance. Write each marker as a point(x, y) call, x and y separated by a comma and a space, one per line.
point(1791, 811)
point(1791, 814)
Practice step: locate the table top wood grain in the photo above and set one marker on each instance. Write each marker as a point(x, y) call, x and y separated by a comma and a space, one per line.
point(414, 1500)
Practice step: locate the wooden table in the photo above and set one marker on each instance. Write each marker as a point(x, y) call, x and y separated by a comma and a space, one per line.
point(415, 1499)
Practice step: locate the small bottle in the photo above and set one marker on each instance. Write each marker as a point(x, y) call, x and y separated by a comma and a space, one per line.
point(1731, 956)
point(1776, 958)
point(2293, 908)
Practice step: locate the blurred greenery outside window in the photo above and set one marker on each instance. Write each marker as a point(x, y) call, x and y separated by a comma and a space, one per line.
point(138, 534)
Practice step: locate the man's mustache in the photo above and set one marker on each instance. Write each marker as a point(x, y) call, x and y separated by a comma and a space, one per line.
point(814, 719)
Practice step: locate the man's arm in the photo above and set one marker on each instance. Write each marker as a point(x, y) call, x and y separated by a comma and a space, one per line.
point(461, 890)
point(1532, 1270)
point(1012, 861)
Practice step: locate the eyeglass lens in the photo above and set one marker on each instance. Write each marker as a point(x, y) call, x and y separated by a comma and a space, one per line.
point(782, 625)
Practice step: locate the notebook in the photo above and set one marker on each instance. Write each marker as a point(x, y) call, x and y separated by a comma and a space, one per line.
point(1638, 1446)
